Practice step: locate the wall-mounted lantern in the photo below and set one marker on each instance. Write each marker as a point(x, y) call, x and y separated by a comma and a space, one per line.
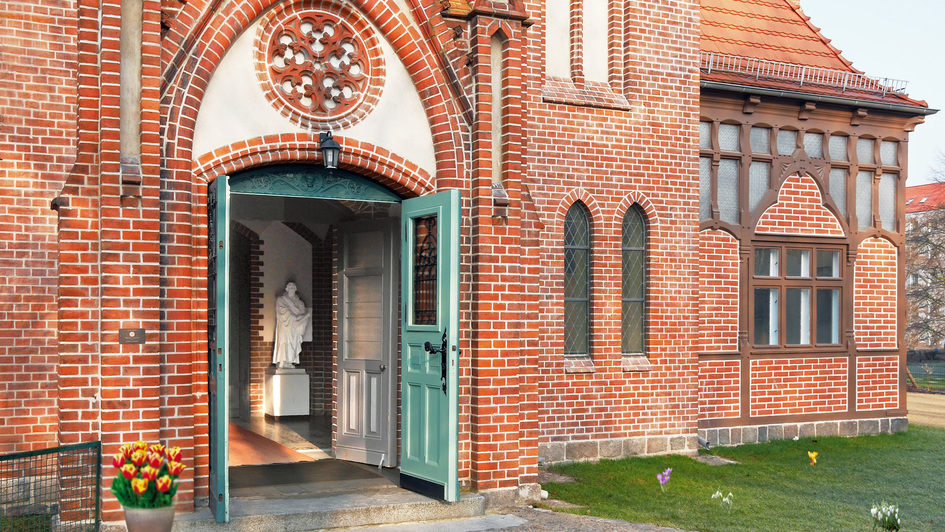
point(331, 150)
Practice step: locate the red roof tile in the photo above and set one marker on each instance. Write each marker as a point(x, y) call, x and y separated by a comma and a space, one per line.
point(778, 31)
point(923, 198)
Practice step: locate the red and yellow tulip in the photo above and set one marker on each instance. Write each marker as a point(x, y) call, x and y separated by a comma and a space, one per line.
point(173, 454)
point(139, 457)
point(163, 484)
point(157, 448)
point(129, 471)
point(126, 450)
point(149, 473)
point(175, 468)
point(139, 485)
point(140, 446)
point(118, 460)
point(155, 460)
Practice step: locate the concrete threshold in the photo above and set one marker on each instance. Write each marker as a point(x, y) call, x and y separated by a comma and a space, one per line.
point(331, 509)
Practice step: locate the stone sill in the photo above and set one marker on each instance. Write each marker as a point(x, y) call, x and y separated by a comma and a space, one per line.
point(579, 365)
point(592, 94)
point(636, 363)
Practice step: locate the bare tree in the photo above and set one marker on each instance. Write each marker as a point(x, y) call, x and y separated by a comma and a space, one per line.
point(925, 272)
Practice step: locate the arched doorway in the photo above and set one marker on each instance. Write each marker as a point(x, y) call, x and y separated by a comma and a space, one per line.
point(392, 304)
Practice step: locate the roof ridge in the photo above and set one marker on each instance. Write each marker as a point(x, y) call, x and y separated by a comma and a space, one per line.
point(795, 5)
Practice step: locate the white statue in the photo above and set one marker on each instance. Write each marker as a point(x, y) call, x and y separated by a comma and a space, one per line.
point(291, 320)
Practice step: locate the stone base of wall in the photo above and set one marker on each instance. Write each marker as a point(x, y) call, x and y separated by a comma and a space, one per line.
point(728, 436)
point(591, 450)
point(500, 498)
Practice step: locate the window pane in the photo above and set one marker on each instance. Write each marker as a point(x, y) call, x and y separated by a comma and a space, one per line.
point(887, 201)
point(814, 145)
point(575, 273)
point(864, 151)
point(728, 190)
point(577, 239)
point(838, 148)
point(864, 199)
point(838, 188)
point(575, 328)
point(632, 323)
point(787, 142)
point(425, 270)
point(828, 264)
point(797, 316)
point(766, 262)
point(758, 176)
point(888, 153)
point(705, 135)
point(728, 137)
point(633, 311)
point(766, 316)
point(760, 140)
point(798, 263)
point(705, 188)
point(828, 316)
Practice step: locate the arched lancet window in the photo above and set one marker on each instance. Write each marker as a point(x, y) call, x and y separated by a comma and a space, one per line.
point(633, 280)
point(577, 280)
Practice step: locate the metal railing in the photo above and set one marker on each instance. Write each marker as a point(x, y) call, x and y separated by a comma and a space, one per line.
point(800, 74)
point(54, 490)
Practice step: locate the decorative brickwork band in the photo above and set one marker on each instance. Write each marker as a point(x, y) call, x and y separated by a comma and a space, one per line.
point(319, 63)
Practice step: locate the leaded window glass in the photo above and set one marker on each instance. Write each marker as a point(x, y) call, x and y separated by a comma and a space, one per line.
point(705, 135)
point(838, 148)
point(760, 140)
point(728, 137)
point(887, 201)
point(705, 188)
point(633, 292)
point(814, 145)
point(864, 199)
point(864, 151)
point(758, 182)
point(838, 188)
point(577, 276)
point(787, 142)
point(728, 190)
point(889, 153)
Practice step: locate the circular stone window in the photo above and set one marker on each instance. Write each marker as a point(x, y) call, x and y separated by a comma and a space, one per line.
point(319, 63)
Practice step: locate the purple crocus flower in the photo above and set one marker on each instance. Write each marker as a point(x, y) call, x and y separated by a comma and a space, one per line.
point(664, 477)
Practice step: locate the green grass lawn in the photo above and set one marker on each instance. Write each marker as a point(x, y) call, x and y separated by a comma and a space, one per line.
point(774, 486)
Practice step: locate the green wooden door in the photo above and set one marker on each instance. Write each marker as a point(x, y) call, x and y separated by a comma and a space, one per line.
point(429, 461)
point(218, 203)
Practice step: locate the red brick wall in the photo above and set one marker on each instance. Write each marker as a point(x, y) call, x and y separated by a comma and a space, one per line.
point(791, 386)
point(877, 385)
point(37, 150)
point(719, 389)
point(719, 270)
point(582, 146)
point(799, 211)
point(876, 295)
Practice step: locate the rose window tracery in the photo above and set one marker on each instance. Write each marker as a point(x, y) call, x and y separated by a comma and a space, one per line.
point(319, 67)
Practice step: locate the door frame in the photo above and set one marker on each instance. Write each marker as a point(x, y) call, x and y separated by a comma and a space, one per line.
point(294, 180)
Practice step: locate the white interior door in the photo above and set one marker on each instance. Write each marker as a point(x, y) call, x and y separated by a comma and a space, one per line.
point(367, 329)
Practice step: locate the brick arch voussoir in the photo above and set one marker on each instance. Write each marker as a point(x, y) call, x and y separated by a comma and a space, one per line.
point(370, 161)
point(213, 34)
point(593, 209)
point(653, 219)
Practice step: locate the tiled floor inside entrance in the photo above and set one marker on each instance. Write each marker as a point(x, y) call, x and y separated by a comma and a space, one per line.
point(293, 458)
point(310, 436)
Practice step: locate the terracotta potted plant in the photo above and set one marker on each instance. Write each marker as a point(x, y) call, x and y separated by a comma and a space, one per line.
point(146, 484)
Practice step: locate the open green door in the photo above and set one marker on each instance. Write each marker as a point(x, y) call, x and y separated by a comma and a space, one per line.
point(429, 462)
point(218, 238)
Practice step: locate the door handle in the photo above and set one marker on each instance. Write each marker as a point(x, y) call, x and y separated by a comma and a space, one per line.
point(442, 350)
point(383, 367)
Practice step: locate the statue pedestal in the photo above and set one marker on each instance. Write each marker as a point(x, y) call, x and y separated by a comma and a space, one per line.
point(286, 392)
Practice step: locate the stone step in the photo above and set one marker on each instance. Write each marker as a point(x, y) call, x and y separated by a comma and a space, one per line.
point(363, 507)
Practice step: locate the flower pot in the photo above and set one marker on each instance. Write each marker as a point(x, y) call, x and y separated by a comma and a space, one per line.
point(149, 519)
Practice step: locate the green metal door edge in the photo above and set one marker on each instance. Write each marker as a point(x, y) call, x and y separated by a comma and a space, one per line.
point(218, 344)
point(309, 181)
